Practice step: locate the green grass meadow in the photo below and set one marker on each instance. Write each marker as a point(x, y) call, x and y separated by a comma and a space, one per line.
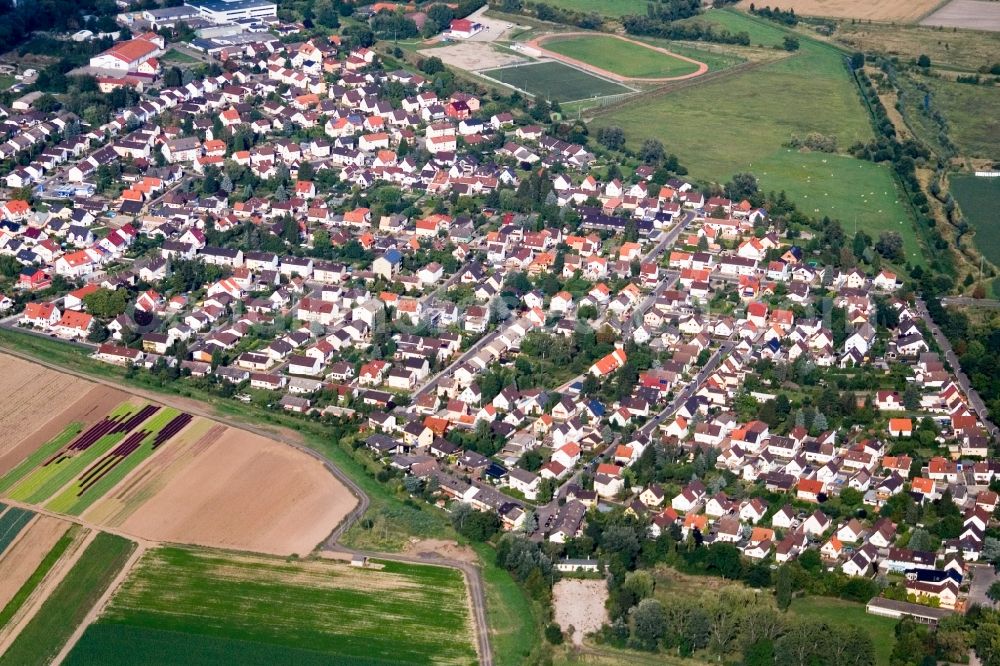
point(621, 57)
point(614, 9)
point(978, 198)
point(744, 122)
point(63, 611)
point(178, 598)
point(972, 115)
point(840, 613)
point(555, 81)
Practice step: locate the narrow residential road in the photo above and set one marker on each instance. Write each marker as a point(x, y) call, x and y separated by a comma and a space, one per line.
point(472, 573)
point(975, 401)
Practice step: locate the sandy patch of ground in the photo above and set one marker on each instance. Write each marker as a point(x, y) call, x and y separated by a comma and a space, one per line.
point(21, 559)
point(92, 405)
point(249, 493)
point(902, 11)
point(580, 604)
point(473, 56)
point(30, 395)
point(971, 14)
point(440, 548)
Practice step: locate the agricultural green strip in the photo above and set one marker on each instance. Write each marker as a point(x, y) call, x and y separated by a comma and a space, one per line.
point(613, 9)
point(45, 452)
point(40, 641)
point(621, 57)
point(978, 198)
point(555, 81)
point(36, 577)
point(74, 502)
point(44, 481)
point(11, 523)
point(125, 645)
point(402, 613)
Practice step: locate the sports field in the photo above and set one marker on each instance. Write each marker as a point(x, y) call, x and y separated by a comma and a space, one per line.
point(744, 122)
point(180, 605)
point(846, 614)
point(555, 81)
point(63, 610)
point(978, 197)
point(621, 57)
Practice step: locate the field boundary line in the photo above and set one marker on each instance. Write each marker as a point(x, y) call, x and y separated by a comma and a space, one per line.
point(101, 603)
point(45, 588)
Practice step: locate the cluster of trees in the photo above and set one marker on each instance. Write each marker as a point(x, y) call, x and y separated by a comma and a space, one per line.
point(904, 156)
point(393, 25)
point(733, 619)
point(527, 563)
point(693, 32)
point(673, 10)
point(778, 15)
point(18, 20)
point(546, 12)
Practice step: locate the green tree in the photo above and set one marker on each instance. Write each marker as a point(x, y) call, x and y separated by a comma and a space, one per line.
point(106, 303)
point(783, 587)
point(648, 623)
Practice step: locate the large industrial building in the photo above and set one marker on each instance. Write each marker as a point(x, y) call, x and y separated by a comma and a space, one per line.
point(226, 11)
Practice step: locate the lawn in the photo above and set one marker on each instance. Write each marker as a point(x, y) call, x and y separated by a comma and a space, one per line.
point(11, 523)
point(555, 81)
point(42, 638)
point(400, 613)
point(971, 127)
point(173, 55)
point(49, 561)
point(621, 57)
point(744, 122)
point(840, 613)
point(978, 198)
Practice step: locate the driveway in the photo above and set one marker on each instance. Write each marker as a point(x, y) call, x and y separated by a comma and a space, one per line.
point(982, 577)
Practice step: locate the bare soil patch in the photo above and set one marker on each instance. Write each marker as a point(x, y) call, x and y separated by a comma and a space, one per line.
point(902, 11)
point(579, 603)
point(971, 14)
point(23, 557)
point(473, 56)
point(31, 394)
point(92, 405)
point(245, 492)
point(440, 548)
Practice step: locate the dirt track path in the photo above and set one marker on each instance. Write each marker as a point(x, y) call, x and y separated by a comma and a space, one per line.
point(538, 41)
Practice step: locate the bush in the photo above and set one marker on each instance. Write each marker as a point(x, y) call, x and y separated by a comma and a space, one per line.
point(554, 634)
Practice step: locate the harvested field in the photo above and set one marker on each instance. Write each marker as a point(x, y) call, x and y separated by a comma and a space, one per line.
point(473, 56)
point(900, 11)
point(969, 14)
point(28, 393)
point(177, 601)
point(244, 492)
point(580, 604)
point(22, 558)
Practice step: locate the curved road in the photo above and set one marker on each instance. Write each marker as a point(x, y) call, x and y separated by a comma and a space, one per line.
point(471, 572)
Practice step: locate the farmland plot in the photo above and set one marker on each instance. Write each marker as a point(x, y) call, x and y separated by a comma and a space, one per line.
point(178, 600)
point(12, 522)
